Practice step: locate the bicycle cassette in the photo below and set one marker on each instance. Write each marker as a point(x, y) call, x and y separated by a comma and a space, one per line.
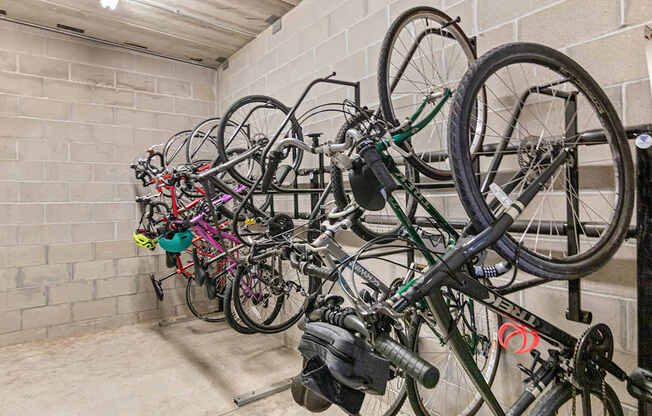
point(596, 342)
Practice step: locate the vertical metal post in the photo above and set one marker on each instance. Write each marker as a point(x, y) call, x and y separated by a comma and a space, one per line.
point(271, 205)
point(644, 263)
point(315, 184)
point(574, 312)
point(356, 93)
point(295, 195)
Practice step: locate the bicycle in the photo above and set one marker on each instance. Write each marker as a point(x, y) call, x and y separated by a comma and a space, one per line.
point(330, 253)
point(576, 365)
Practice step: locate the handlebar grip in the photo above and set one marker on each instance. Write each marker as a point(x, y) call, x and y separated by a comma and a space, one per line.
point(373, 160)
point(275, 157)
point(417, 368)
point(323, 273)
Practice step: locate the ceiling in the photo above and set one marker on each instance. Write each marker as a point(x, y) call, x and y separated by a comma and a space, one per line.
point(202, 31)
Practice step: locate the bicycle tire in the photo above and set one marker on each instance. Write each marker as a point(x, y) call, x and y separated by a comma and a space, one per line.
point(230, 313)
point(227, 121)
point(413, 390)
point(205, 135)
point(384, 82)
point(193, 309)
point(559, 394)
point(468, 186)
point(170, 153)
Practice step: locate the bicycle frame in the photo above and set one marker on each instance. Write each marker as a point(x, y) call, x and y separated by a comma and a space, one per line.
point(205, 231)
point(428, 287)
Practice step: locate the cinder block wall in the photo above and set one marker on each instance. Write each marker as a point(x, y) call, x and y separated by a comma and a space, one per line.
point(73, 115)
point(606, 36)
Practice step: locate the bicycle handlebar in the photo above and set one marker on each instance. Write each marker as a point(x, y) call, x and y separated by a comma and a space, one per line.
point(408, 361)
point(375, 163)
point(416, 367)
point(276, 154)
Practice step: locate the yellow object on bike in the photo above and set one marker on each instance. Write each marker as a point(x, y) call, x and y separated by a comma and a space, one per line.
point(143, 241)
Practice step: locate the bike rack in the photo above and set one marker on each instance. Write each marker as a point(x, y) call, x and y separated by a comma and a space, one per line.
point(643, 232)
point(644, 264)
point(317, 185)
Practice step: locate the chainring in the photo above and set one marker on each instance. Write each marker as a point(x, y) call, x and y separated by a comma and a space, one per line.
point(596, 342)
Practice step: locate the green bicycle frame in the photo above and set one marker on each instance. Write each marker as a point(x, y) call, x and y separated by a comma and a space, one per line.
point(409, 187)
point(416, 238)
point(414, 129)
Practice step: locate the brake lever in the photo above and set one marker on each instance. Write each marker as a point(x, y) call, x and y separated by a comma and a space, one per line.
point(385, 309)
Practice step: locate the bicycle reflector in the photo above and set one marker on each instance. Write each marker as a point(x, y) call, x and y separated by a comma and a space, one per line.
point(144, 241)
point(177, 243)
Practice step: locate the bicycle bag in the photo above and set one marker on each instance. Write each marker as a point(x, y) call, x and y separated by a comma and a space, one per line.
point(341, 367)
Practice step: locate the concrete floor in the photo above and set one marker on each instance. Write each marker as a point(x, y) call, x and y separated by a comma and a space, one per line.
point(191, 368)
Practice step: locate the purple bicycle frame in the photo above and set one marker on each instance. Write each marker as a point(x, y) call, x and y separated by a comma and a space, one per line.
point(206, 231)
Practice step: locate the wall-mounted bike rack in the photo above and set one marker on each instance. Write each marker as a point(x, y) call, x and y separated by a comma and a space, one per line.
point(644, 263)
point(317, 185)
point(569, 228)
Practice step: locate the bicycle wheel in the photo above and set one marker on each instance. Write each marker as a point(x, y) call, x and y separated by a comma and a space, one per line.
point(540, 102)
point(173, 149)
point(558, 400)
point(269, 296)
point(201, 146)
point(201, 305)
point(372, 224)
point(230, 313)
point(251, 122)
point(455, 393)
point(423, 56)
point(206, 301)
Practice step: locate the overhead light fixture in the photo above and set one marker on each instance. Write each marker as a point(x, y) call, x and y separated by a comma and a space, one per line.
point(109, 4)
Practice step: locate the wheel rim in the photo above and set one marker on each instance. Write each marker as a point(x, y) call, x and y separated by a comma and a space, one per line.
point(437, 64)
point(540, 130)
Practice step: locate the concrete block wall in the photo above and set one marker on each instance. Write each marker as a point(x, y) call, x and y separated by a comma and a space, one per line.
point(605, 36)
point(73, 115)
